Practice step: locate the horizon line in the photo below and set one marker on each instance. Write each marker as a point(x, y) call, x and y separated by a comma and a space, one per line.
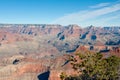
point(56, 24)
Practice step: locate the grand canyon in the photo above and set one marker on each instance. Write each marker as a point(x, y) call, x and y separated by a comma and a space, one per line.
point(41, 51)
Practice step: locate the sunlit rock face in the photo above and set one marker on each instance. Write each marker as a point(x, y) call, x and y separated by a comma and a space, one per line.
point(29, 51)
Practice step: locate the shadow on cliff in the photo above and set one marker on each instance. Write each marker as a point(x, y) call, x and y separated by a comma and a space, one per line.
point(44, 76)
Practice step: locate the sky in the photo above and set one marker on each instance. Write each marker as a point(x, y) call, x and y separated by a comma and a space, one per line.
point(64, 12)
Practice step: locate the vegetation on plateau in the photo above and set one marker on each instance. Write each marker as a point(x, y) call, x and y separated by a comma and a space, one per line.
point(93, 66)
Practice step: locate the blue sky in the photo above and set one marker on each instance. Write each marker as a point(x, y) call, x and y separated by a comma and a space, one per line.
point(64, 12)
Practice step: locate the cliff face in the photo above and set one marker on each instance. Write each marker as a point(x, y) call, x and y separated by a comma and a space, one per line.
point(84, 36)
point(32, 51)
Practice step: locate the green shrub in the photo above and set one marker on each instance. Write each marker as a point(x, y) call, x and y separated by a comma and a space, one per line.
point(94, 67)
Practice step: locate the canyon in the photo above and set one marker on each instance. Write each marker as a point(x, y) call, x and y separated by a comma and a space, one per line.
point(41, 51)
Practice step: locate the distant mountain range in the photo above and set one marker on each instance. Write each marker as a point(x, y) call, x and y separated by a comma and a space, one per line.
point(65, 38)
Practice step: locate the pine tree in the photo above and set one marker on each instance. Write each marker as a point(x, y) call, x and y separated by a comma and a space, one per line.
point(94, 66)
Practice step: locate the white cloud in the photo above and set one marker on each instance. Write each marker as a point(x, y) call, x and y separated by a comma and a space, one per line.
point(84, 16)
point(103, 21)
point(100, 5)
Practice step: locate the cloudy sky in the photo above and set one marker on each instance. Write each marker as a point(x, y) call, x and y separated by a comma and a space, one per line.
point(64, 12)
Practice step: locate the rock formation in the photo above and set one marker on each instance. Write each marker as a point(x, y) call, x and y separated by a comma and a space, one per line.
point(31, 51)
